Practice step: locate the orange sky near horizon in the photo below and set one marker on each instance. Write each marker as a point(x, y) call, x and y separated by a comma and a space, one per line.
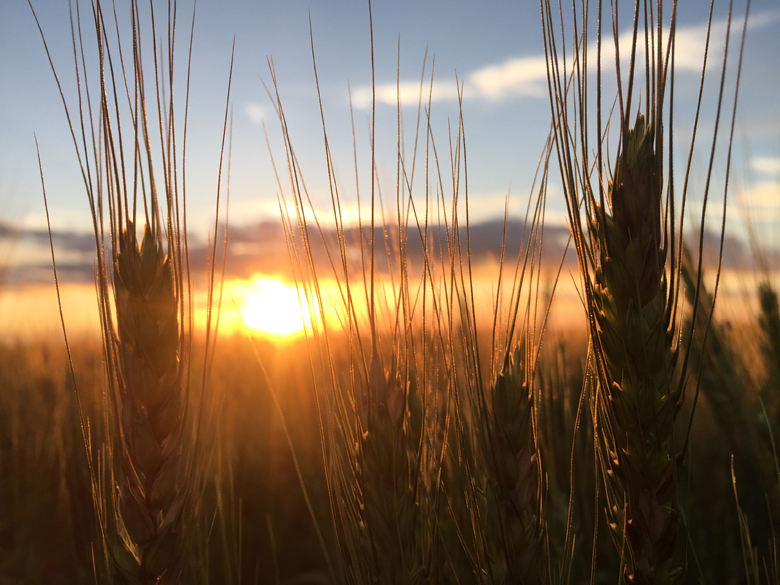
point(269, 306)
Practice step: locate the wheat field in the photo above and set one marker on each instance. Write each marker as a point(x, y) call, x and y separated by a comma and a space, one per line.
point(564, 405)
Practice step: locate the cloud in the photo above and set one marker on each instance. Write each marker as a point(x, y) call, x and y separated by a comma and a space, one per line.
point(513, 78)
point(523, 76)
point(767, 165)
point(255, 112)
point(763, 197)
point(527, 76)
point(409, 92)
point(483, 206)
point(689, 43)
point(25, 255)
point(62, 219)
point(264, 209)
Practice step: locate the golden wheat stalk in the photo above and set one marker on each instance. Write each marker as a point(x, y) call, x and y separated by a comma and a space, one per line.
point(386, 473)
point(629, 251)
point(381, 460)
point(511, 540)
point(638, 399)
point(513, 509)
point(385, 431)
point(736, 402)
point(147, 484)
point(150, 404)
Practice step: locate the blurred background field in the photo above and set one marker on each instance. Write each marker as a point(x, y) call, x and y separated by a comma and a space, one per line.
point(261, 528)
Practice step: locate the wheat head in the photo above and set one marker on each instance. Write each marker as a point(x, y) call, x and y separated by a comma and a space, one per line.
point(638, 400)
point(515, 530)
point(151, 411)
point(148, 478)
point(629, 243)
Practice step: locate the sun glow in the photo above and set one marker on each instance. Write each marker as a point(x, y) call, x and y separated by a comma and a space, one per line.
point(271, 307)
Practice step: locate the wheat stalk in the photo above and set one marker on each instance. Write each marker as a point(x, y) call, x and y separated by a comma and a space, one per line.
point(381, 397)
point(638, 401)
point(150, 404)
point(726, 384)
point(147, 485)
point(629, 250)
point(769, 322)
point(515, 530)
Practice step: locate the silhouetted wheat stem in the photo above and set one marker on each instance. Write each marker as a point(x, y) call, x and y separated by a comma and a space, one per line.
point(728, 387)
point(638, 399)
point(148, 480)
point(629, 245)
point(147, 339)
point(150, 405)
point(382, 444)
point(769, 321)
point(388, 474)
point(515, 533)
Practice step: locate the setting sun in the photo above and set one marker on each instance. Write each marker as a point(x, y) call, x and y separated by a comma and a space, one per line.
point(270, 306)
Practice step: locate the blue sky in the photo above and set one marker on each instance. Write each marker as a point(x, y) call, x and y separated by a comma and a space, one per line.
point(495, 48)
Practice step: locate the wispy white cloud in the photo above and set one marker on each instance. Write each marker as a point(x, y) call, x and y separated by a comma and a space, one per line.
point(527, 76)
point(763, 197)
point(62, 219)
point(689, 43)
point(483, 206)
point(409, 92)
point(265, 209)
point(523, 76)
point(767, 165)
point(512, 78)
point(488, 206)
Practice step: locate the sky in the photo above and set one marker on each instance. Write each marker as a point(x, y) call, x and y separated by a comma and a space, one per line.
point(494, 49)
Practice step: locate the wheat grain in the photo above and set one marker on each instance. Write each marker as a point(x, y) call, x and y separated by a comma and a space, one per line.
point(629, 250)
point(515, 525)
point(151, 407)
point(638, 400)
point(144, 492)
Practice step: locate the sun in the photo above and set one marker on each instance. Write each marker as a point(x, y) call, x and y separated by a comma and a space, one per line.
point(272, 307)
